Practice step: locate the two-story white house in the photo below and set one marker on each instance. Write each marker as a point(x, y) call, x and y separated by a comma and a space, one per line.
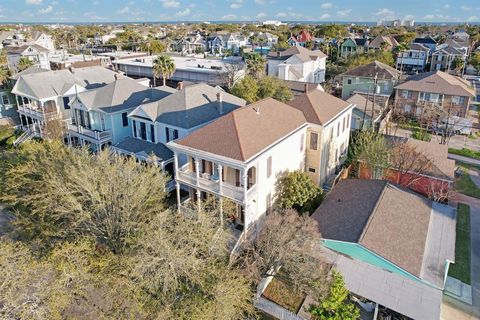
point(173, 117)
point(99, 117)
point(241, 155)
point(297, 64)
point(43, 96)
point(37, 54)
point(414, 59)
point(219, 42)
point(42, 39)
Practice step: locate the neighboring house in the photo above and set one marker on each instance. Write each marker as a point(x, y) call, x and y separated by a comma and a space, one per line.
point(6, 37)
point(428, 42)
point(219, 42)
point(297, 64)
point(437, 172)
point(437, 91)
point(392, 246)
point(461, 45)
point(174, 117)
point(42, 39)
point(414, 59)
point(369, 79)
point(33, 52)
point(190, 44)
point(8, 113)
point(328, 133)
point(301, 39)
point(99, 117)
point(265, 39)
point(353, 46)
point(240, 156)
point(44, 96)
point(386, 43)
point(442, 58)
point(365, 113)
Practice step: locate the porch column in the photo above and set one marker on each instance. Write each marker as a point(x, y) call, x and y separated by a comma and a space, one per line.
point(220, 184)
point(177, 187)
point(197, 172)
point(199, 200)
point(245, 184)
point(175, 165)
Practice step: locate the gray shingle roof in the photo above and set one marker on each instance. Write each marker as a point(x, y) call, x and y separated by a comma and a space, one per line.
point(190, 107)
point(48, 84)
point(22, 48)
point(145, 148)
point(378, 68)
point(121, 94)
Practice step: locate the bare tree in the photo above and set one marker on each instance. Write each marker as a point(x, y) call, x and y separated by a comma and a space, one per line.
point(439, 191)
point(231, 73)
point(409, 163)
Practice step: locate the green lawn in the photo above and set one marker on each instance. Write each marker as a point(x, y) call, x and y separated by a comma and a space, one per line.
point(465, 185)
point(461, 268)
point(465, 152)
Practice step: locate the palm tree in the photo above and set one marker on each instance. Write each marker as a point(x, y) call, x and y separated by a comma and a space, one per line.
point(24, 63)
point(255, 64)
point(163, 65)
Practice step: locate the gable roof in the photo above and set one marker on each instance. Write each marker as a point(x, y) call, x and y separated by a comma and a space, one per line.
point(119, 95)
point(381, 70)
point(192, 106)
point(377, 42)
point(318, 106)
point(360, 100)
point(245, 132)
point(448, 50)
point(438, 82)
point(390, 221)
point(29, 70)
point(425, 40)
point(303, 53)
point(418, 47)
point(41, 85)
point(23, 48)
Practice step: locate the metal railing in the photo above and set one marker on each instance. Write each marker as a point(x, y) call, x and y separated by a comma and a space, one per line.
point(37, 113)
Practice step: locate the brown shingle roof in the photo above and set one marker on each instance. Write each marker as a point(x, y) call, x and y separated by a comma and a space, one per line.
point(381, 70)
point(318, 106)
point(243, 133)
point(390, 221)
point(377, 42)
point(438, 82)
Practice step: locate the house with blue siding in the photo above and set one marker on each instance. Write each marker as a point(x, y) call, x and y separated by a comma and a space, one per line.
point(173, 117)
point(385, 230)
point(99, 117)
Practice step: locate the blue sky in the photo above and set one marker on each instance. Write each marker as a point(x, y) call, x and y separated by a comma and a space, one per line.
point(197, 10)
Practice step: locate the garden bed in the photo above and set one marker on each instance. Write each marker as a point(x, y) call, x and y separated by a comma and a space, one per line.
point(461, 268)
point(284, 295)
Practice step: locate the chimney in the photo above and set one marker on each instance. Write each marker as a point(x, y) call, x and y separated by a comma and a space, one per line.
point(305, 87)
point(220, 102)
point(180, 85)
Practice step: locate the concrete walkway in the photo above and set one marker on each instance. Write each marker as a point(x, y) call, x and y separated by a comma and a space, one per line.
point(464, 159)
point(475, 176)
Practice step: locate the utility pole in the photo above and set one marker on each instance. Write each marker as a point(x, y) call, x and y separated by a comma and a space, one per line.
point(374, 92)
point(365, 108)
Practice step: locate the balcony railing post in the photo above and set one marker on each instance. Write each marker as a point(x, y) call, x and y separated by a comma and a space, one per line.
point(197, 172)
point(220, 182)
point(245, 184)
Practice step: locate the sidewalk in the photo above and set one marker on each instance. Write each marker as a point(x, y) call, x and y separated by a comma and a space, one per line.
point(464, 159)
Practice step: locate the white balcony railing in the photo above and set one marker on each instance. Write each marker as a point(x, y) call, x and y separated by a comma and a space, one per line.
point(100, 136)
point(37, 113)
point(211, 184)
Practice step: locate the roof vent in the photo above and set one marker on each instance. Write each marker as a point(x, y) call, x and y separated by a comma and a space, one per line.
point(220, 102)
point(257, 109)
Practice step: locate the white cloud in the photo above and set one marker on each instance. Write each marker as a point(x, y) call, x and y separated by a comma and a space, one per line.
point(33, 1)
point(281, 15)
point(229, 17)
point(236, 4)
point(326, 5)
point(447, 6)
point(45, 10)
point(183, 13)
point(429, 16)
point(473, 18)
point(325, 16)
point(344, 13)
point(170, 3)
point(465, 8)
point(261, 15)
point(260, 2)
point(385, 13)
point(124, 10)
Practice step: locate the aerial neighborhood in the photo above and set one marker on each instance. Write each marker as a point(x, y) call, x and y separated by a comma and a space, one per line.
point(240, 170)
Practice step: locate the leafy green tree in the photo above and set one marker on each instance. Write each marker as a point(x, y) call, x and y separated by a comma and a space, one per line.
point(296, 190)
point(246, 88)
point(372, 151)
point(154, 47)
point(336, 306)
point(24, 63)
point(4, 75)
point(163, 65)
point(356, 60)
point(252, 89)
point(475, 60)
point(457, 64)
